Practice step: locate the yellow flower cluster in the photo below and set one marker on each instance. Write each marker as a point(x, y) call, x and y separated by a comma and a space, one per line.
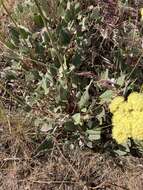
point(141, 12)
point(127, 117)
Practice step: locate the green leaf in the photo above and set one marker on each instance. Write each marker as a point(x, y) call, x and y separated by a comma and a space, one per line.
point(77, 6)
point(105, 75)
point(85, 97)
point(11, 75)
point(62, 93)
point(38, 20)
point(46, 82)
point(106, 97)
point(123, 149)
point(69, 126)
point(65, 36)
point(24, 32)
point(77, 119)
point(76, 59)
point(14, 35)
point(120, 152)
point(61, 11)
point(17, 32)
point(101, 116)
point(121, 80)
point(10, 44)
point(47, 144)
point(84, 110)
point(94, 134)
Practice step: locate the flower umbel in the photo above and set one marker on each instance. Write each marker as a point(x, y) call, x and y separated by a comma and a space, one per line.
point(141, 12)
point(116, 103)
point(127, 117)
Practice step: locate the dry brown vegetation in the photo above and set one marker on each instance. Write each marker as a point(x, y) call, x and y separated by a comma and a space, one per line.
point(72, 170)
point(24, 165)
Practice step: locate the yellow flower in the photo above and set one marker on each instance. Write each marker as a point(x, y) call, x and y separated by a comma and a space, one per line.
point(133, 96)
point(116, 103)
point(141, 11)
point(127, 117)
point(117, 118)
point(135, 100)
point(122, 127)
point(137, 128)
point(137, 132)
point(119, 135)
point(125, 108)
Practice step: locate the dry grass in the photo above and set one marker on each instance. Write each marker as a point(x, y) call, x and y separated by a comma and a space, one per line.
point(23, 167)
point(72, 170)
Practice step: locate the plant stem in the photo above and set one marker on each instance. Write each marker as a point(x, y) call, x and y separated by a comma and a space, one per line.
point(134, 68)
point(49, 34)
